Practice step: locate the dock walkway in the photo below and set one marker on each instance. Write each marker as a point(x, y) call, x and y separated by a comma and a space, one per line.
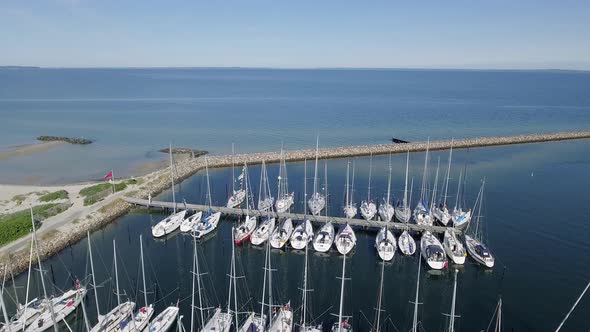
point(293, 216)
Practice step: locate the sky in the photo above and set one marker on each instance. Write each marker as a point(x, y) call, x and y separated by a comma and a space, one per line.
point(492, 34)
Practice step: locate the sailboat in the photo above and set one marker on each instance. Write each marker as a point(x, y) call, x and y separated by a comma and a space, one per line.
point(377, 326)
point(474, 239)
point(405, 242)
point(460, 217)
point(349, 207)
point(172, 222)
point(245, 229)
point(303, 327)
point(317, 201)
point(164, 321)
point(368, 208)
point(237, 196)
point(441, 211)
point(254, 321)
point(386, 210)
point(432, 251)
point(263, 231)
point(323, 240)
point(421, 211)
point(403, 212)
point(265, 199)
point(453, 246)
point(385, 244)
point(209, 222)
point(284, 198)
point(452, 315)
point(345, 239)
point(416, 303)
point(142, 317)
point(282, 234)
point(60, 307)
point(342, 324)
point(120, 314)
point(303, 233)
point(496, 319)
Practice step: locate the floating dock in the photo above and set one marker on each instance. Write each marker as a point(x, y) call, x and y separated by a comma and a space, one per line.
point(293, 216)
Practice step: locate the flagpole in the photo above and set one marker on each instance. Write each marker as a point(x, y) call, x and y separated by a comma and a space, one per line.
point(113, 180)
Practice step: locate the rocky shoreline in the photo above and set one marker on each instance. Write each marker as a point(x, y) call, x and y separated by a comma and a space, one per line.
point(160, 181)
point(71, 140)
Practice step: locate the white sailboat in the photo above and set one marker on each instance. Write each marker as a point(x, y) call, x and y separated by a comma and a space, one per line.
point(342, 325)
point(460, 217)
point(282, 234)
point(285, 198)
point(254, 321)
point(303, 233)
point(209, 222)
point(385, 244)
point(142, 318)
point(324, 238)
point(263, 231)
point(345, 239)
point(386, 210)
point(237, 196)
point(245, 229)
point(405, 242)
point(317, 201)
point(421, 211)
point(282, 320)
point(403, 212)
point(121, 313)
point(265, 199)
point(172, 222)
point(164, 321)
point(441, 211)
point(453, 247)
point(368, 207)
point(349, 207)
point(303, 326)
point(432, 251)
point(474, 239)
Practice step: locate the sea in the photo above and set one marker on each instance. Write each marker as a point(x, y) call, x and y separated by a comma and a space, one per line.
point(534, 216)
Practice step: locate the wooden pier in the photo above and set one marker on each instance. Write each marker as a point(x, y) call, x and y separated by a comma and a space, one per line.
point(294, 216)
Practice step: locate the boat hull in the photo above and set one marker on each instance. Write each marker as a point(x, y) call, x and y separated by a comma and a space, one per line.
point(189, 223)
point(406, 243)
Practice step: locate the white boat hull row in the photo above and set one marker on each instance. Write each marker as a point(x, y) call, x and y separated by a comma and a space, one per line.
point(435, 253)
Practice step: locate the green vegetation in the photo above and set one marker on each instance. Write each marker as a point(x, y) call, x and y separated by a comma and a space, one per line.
point(18, 224)
point(19, 199)
point(60, 194)
point(98, 192)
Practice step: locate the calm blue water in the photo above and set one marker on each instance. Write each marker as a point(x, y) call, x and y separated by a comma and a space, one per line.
point(131, 113)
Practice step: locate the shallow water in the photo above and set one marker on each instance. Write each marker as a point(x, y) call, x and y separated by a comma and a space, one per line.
point(535, 213)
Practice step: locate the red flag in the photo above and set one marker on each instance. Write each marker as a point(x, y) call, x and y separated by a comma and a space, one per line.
point(108, 176)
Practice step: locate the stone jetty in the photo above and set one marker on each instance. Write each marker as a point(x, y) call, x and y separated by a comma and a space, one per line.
point(159, 181)
point(71, 140)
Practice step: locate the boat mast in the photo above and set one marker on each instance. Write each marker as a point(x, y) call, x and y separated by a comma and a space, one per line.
point(93, 276)
point(246, 181)
point(326, 184)
point(29, 282)
point(415, 321)
point(424, 176)
point(172, 178)
point(315, 176)
point(352, 186)
point(478, 217)
point(347, 183)
point(304, 189)
point(208, 184)
point(304, 309)
point(269, 284)
point(341, 294)
point(389, 180)
point(41, 273)
point(264, 282)
point(233, 170)
point(4, 312)
point(280, 187)
point(377, 326)
point(435, 188)
point(458, 189)
point(572, 309)
point(260, 186)
point(370, 171)
point(116, 274)
point(233, 269)
point(198, 275)
point(452, 315)
point(448, 175)
point(143, 271)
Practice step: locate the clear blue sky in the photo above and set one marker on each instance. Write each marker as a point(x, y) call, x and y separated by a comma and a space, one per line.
point(296, 33)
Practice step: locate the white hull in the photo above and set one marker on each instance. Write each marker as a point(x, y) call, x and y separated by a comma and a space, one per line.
point(140, 321)
point(282, 234)
point(24, 318)
point(236, 199)
point(253, 323)
point(316, 203)
point(219, 322)
point(163, 322)
point(432, 251)
point(110, 322)
point(168, 225)
point(189, 223)
point(345, 327)
point(386, 211)
point(245, 230)
point(284, 203)
point(207, 225)
point(282, 321)
point(368, 210)
point(350, 211)
point(385, 244)
point(266, 204)
point(479, 252)
point(422, 215)
point(302, 235)
point(442, 215)
point(345, 239)
point(460, 218)
point(403, 214)
point(263, 231)
point(406, 243)
point(453, 247)
point(322, 242)
point(62, 308)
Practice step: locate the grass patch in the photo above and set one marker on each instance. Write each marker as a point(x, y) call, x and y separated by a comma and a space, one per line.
point(18, 199)
point(18, 224)
point(98, 188)
point(60, 194)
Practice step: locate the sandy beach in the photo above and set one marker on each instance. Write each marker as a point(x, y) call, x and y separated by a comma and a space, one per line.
point(28, 149)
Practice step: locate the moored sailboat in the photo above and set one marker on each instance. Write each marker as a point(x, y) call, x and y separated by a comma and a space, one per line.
point(368, 207)
point(385, 244)
point(474, 238)
point(237, 195)
point(172, 222)
point(349, 207)
point(405, 242)
point(453, 247)
point(282, 234)
point(345, 240)
point(461, 218)
point(285, 199)
point(386, 210)
point(422, 214)
point(403, 213)
point(317, 201)
point(342, 325)
point(209, 222)
point(432, 251)
point(245, 229)
point(265, 199)
point(441, 211)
